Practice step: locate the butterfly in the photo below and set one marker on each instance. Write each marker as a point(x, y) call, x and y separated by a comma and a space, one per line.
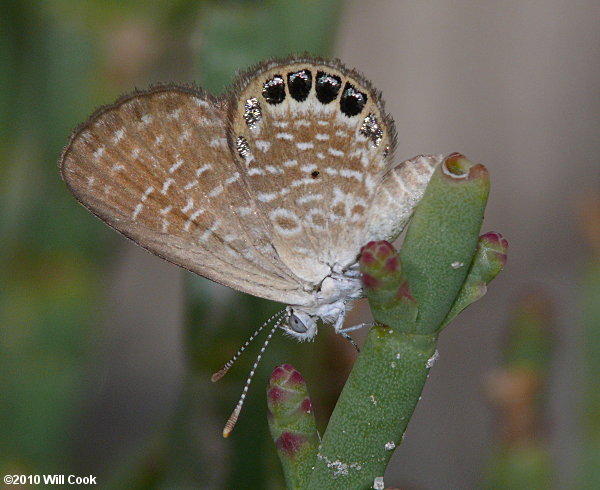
point(271, 189)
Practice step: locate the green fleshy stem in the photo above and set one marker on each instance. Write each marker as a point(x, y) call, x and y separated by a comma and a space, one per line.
point(292, 424)
point(489, 260)
point(373, 410)
point(387, 380)
point(442, 237)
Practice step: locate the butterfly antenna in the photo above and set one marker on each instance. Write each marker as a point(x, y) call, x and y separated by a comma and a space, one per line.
point(230, 424)
point(223, 371)
point(351, 340)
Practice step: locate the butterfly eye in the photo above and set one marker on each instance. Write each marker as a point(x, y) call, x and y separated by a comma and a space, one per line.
point(352, 101)
point(274, 90)
point(296, 324)
point(327, 87)
point(299, 84)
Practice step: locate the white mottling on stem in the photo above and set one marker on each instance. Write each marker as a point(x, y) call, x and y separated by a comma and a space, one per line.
point(378, 483)
point(431, 361)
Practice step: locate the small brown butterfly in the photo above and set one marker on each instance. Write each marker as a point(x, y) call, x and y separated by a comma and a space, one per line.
point(271, 189)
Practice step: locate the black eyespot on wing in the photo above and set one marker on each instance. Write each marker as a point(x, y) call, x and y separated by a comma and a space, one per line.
point(274, 90)
point(327, 87)
point(352, 101)
point(299, 84)
point(314, 174)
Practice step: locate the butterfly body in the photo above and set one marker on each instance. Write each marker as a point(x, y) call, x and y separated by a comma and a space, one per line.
point(271, 189)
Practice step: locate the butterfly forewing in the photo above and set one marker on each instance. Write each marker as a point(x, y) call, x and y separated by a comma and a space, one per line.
point(156, 167)
point(313, 143)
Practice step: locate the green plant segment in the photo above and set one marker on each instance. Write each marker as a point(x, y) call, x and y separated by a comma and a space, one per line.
point(412, 294)
point(292, 424)
point(442, 237)
point(374, 409)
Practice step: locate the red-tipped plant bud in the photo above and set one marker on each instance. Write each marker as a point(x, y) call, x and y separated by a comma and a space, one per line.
point(386, 287)
point(490, 258)
point(292, 424)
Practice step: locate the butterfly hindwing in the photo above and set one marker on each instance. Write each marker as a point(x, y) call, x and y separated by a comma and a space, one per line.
point(314, 143)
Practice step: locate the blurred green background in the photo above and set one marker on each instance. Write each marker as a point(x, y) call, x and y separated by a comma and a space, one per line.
point(106, 352)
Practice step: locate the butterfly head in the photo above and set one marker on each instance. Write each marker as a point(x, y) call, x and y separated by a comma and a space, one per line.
point(299, 324)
